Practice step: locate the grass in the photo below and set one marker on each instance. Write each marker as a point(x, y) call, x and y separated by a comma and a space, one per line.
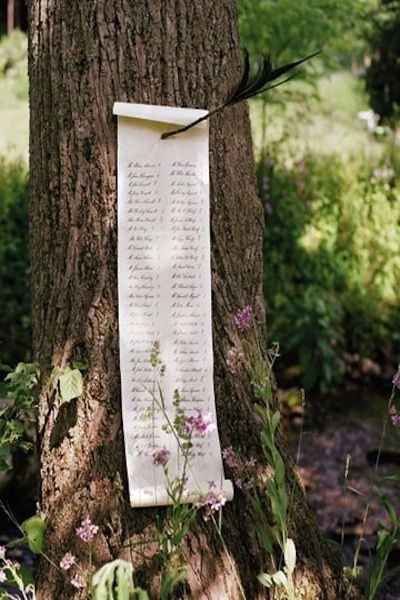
point(14, 123)
point(323, 126)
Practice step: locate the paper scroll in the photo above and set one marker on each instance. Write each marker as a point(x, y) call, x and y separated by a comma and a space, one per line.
point(164, 284)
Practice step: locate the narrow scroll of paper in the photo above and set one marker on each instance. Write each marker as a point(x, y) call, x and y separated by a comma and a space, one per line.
point(164, 284)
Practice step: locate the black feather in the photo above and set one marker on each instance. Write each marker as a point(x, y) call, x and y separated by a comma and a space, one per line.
point(260, 78)
point(245, 77)
point(251, 85)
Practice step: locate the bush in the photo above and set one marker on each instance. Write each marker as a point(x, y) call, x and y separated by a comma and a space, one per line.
point(15, 336)
point(332, 263)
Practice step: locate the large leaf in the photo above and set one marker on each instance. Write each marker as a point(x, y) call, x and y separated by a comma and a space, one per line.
point(71, 384)
point(34, 529)
point(114, 581)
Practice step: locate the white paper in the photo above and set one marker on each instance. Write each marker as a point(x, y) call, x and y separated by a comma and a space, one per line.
point(164, 284)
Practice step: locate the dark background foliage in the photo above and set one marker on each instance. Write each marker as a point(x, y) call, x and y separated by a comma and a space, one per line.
point(15, 335)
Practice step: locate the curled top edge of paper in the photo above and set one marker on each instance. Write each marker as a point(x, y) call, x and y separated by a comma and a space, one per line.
point(162, 114)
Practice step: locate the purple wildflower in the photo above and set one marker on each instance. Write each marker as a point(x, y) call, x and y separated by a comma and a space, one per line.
point(77, 582)
point(161, 456)
point(87, 530)
point(243, 318)
point(395, 420)
point(396, 379)
point(67, 561)
point(212, 502)
point(199, 425)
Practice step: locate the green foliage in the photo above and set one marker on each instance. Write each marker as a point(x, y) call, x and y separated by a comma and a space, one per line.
point(276, 484)
point(283, 578)
point(17, 412)
point(275, 490)
point(326, 121)
point(19, 393)
point(15, 337)
point(171, 578)
point(114, 581)
point(332, 262)
point(34, 529)
point(388, 538)
point(14, 63)
point(288, 30)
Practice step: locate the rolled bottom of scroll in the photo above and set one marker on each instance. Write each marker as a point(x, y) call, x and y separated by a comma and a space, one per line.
point(158, 496)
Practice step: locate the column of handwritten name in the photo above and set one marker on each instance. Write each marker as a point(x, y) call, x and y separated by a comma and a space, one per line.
point(144, 214)
point(188, 309)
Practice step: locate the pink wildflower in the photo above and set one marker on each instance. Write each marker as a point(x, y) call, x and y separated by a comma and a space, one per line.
point(199, 425)
point(243, 318)
point(243, 469)
point(87, 530)
point(231, 458)
point(77, 582)
point(67, 561)
point(212, 502)
point(3, 576)
point(396, 379)
point(235, 360)
point(161, 456)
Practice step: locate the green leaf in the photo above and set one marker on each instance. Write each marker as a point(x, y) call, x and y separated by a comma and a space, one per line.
point(26, 575)
point(170, 579)
point(290, 556)
point(114, 581)
point(34, 529)
point(265, 580)
point(279, 578)
point(71, 384)
point(390, 509)
point(276, 417)
point(140, 594)
point(124, 582)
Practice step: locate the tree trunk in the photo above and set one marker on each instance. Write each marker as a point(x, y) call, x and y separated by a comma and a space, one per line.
point(10, 15)
point(82, 57)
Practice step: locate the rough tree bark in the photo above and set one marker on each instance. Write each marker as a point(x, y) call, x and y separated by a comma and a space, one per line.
point(82, 57)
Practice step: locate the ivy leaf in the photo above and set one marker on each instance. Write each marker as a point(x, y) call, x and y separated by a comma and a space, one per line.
point(34, 529)
point(71, 384)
